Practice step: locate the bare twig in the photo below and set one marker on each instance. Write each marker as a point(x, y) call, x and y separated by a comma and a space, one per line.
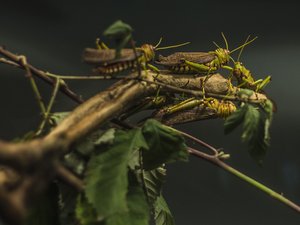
point(216, 161)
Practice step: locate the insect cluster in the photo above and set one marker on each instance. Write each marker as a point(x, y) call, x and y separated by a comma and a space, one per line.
point(108, 61)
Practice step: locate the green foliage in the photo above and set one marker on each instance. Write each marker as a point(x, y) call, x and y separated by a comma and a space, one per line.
point(256, 125)
point(121, 33)
point(153, 181)
point(163, 215)
point(165, 145)
point(85, 212)
point(106, 178)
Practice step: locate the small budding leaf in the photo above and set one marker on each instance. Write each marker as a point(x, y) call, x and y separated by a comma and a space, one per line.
point(165, 145)
point(118, 29)
point(245, 93)
point(121, 33)
point(163, 215)
point(106, 177)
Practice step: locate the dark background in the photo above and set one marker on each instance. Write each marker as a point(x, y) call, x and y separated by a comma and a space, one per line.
point(52, 34)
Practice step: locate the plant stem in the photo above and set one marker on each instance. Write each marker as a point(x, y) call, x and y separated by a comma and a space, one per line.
point(244, 177)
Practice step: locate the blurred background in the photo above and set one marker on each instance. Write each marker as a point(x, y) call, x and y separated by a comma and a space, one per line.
point(52, 34)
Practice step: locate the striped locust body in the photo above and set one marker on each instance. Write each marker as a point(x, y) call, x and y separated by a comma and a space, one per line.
point(106, 61)
point(195, 62)
point(221, 108)
point(246, 80)
point(202, 63)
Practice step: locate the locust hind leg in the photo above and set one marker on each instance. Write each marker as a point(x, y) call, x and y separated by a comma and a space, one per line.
point(186, 104)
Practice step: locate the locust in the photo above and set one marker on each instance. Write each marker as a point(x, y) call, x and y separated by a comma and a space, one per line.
point(199, 62)
point(106, 61)
point(222, 108)
point(244, 76)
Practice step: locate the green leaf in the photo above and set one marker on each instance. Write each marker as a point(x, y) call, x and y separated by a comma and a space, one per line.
point(85, 212)
point(138, 209)
point(153, 181)
point(235, 119)
point(118, 29)
point(165, 145)
point(106, 177)
point(121, 33)
point(254, 133)
point(163, 215)
point(251, 123)
point(90, 143)
point(245, 93)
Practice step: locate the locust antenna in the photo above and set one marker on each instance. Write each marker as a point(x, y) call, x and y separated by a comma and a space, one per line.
point(240, 53)
point(242, 46)
point(216, 45)
point(158, 43)
point(172, 46)
point(225, 40)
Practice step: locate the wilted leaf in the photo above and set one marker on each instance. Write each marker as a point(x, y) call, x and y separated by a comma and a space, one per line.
point(106, 179)
point(251, 123)
point(165, 145)
point(163, 215)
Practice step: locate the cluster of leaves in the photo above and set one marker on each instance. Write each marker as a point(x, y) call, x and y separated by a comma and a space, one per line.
point(256, 122)
point(123, 173)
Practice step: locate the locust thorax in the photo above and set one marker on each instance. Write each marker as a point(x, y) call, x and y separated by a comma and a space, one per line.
point(149, 52)
point(241, 71)
point(223, 56)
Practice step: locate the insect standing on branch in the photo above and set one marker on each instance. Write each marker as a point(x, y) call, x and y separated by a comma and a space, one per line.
point(244, 77)
point(202, 63)
point(222, 108)
point(107, 62)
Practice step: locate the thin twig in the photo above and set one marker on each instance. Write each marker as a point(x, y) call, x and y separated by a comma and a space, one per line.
point(69, 178)
point(216, 161)
point(40, 74)
point(38, 96)
point(51, 102)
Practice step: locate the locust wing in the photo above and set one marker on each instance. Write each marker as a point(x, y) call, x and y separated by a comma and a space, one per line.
point(178, 57)
point(106, 57)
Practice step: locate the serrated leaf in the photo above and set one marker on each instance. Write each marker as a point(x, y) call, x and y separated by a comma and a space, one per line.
point(153, 181)
point(163, 215)
point(254, 133)
point(138, 209)
point(165, 145)
point(235, 119)
point(251, 123)
point(85, 212)
point(106, 177)
point(90, 143)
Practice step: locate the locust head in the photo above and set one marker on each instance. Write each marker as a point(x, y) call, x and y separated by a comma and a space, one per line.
point(149, 52)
